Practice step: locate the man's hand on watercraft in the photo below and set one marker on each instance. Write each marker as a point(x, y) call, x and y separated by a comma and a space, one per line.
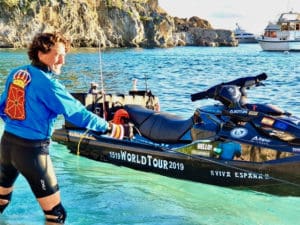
point(119, 131)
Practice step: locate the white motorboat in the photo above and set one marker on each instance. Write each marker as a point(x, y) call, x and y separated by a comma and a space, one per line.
point(284, 35)
point(243, 36)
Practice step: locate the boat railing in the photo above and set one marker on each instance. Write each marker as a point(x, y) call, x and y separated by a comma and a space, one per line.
point(284, 35)
point(94, 102)
point(297, 34)
point(120, 99)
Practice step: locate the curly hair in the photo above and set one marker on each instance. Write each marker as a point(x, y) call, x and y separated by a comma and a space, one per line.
point(44, 42)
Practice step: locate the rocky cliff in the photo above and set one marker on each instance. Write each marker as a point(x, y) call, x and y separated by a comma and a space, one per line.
point(112, 23)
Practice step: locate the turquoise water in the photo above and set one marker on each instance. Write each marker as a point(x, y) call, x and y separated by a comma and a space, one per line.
point(97, 193)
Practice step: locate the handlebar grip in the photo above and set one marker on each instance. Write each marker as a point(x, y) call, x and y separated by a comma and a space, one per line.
point(243, 82)
point(261, 77)
point(210, 93)
point(199, 95)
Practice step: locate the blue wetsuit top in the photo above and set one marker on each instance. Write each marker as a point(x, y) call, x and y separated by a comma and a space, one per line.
point(32, 100)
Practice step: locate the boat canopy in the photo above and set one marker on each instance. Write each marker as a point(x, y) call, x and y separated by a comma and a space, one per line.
point(289, 17)
point(289, 21)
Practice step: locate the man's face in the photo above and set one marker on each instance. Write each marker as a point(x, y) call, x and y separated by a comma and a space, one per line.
point(55, 58)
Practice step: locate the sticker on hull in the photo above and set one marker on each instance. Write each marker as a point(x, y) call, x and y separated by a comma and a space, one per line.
point(146, 160)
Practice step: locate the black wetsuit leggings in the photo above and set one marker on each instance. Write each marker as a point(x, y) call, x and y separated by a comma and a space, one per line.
point(31, 159)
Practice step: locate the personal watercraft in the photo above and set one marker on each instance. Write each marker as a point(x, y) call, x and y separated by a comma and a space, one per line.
point(232, 144)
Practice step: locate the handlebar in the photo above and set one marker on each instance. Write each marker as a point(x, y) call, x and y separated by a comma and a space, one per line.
point(244, 82)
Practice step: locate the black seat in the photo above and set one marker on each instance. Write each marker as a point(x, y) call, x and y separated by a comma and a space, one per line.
point(158, 126)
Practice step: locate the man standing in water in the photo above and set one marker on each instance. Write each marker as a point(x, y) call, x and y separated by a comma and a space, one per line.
point(29, 105)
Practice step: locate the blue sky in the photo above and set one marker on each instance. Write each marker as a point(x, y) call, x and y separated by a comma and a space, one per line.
point(252, 15)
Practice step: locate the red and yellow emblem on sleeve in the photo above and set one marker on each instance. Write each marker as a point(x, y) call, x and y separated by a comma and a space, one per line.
point(15, 102)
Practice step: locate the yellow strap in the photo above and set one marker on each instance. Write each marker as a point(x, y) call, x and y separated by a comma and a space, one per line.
point(80, 139)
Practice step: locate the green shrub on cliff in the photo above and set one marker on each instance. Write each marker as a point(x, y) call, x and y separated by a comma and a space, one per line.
point(10, 3)
point(114, 3)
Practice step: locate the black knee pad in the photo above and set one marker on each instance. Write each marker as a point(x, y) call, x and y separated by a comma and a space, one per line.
point(59, 212)
point(5, 197)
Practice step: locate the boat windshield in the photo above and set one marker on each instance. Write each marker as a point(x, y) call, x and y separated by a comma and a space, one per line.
point(271, 34)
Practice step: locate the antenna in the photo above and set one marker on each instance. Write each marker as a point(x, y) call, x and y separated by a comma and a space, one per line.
point(146, 83)
point(288, 6)
point(102, 81)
